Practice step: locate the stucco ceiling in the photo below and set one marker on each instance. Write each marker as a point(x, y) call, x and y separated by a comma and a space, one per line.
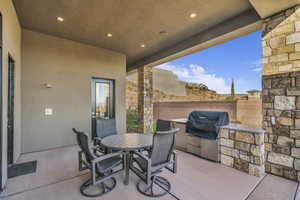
point(131, 22)
point(266, 8)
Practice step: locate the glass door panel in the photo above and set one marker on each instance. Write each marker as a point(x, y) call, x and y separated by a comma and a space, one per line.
point(103, 102)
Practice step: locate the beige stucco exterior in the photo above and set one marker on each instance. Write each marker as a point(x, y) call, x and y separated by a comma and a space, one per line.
point(68, 66)
point(11, 46)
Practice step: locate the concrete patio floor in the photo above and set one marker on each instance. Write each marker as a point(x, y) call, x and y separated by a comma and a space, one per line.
point(58, 178)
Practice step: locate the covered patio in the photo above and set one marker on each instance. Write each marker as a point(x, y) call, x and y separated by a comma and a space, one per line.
point(63, 65)
point(57, 177)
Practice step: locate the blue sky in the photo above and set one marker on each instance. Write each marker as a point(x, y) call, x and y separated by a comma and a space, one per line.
point(238, 59)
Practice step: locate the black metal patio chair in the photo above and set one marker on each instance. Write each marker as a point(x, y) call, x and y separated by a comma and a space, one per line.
point(104, 128)
point(164, 125)
point(148, 167)
point(103, 168)
point(161, 125)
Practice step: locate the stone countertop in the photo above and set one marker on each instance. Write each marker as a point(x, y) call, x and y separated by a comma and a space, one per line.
point(240, 127)
point(234, 126)
point(179, 120)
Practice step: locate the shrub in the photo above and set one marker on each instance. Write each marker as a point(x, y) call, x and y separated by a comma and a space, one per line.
point(230, 98)
point(132, 120)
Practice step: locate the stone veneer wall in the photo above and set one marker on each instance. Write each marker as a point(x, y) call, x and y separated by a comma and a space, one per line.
point(281, 93)
point(281, 42)
point(145, 99)
point(242, 150)
point(281, 110)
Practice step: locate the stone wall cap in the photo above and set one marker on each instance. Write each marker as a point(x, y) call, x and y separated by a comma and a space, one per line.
point(240, 127)
point(179, 120)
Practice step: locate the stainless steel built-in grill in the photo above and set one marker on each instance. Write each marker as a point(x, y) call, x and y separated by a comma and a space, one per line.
point(199, 133)
point(206, 124)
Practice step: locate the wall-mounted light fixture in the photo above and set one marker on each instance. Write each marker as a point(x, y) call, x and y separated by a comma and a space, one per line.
point(47, 85)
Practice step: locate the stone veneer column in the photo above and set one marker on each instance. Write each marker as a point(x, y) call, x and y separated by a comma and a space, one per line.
point(281, 93)
point(243, 150)
point(145, 99)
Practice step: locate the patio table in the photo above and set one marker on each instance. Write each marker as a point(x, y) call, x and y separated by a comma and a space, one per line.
point(128, 143)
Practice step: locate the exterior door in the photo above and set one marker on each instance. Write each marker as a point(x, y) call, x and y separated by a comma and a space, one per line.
point(103, 101)
point(1, 96)
point(10, 110)
point(1, 187)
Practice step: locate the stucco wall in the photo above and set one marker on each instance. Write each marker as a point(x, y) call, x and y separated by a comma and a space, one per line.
point(249, 112)
point(68, 66)
point(11, 45)
point(173, 110)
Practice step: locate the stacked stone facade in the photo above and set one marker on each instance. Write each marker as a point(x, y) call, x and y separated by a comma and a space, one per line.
point(145, 99)
point(281, 42)
point(281, 93)
point(281, 110)
point(242, 150)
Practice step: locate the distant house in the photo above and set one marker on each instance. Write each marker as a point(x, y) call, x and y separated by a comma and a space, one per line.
point(254, 94)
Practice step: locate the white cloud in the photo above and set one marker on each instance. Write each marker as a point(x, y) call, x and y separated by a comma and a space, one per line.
point(197, 74)
point(258, 69)
point(256, 66)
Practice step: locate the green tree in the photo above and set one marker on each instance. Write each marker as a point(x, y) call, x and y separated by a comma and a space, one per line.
point(232, 94)
point(232, 88)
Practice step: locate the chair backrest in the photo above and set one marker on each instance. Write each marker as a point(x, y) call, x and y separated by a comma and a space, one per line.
point(163, 146)
point(105, 128)
point(83, 142)
point(164, 125)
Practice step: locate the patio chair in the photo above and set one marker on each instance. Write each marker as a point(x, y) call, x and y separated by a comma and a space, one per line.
point(161, 125)
point(103, 168)
point(148, 167)
point(164, 125)
point(104, 128)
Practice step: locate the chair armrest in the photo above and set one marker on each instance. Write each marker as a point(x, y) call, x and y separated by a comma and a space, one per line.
point(97, 150)
point(98, 139)
point(106, 156)
point(99, 159)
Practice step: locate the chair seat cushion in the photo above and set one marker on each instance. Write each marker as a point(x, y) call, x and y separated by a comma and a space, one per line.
point(108, 164)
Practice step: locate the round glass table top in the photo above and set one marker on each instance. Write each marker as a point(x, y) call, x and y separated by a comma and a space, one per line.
point(128, 141)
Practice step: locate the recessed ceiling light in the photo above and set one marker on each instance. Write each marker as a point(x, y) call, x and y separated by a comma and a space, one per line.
point(109, 35)
point(143, 45)
point(193, 15)
point(60, 19)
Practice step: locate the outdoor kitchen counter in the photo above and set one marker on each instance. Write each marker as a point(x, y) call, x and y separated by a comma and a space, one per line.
point(237, 146)
point(232, 126)
point(208, 149)
point(242, 148)
point(179, 120)
point(240, 127)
